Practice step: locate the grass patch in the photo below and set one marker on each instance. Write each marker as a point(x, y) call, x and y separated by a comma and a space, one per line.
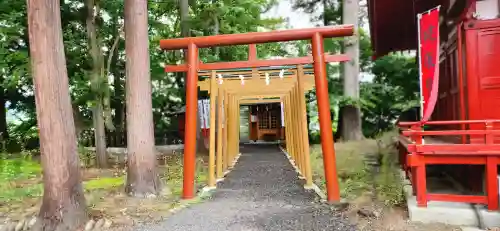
point(21, 190)
point(356, 177)
point(104, 183)
point(18, 168)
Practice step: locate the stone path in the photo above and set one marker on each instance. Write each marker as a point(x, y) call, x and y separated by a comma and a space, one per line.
point(262, 192)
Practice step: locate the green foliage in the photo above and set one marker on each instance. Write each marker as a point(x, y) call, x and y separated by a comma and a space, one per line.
point(356, 177)
point(231, 16)
point(9, 193)
point(394, 89)
point(12, 168)
point(18, 168)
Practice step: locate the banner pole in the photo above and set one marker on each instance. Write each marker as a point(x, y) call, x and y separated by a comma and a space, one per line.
point(419, 17)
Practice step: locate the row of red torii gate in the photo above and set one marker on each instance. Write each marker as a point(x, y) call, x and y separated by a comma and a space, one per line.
point(232, 84)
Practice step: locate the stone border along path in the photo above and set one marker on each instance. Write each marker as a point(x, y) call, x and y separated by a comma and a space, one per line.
point(262, 192)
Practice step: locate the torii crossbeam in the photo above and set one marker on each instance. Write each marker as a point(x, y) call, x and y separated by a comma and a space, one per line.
point(318, 59)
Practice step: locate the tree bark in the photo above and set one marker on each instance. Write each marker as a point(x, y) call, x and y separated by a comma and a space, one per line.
point(142, 177)
point(216, 31)
point(185, 32)
point(351, 127)
point(63, 206)
point(114, 68)
point(119, 107)
point(98, 109)
point(184, 15)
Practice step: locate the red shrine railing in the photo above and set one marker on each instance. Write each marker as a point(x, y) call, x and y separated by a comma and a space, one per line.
point(415, 153)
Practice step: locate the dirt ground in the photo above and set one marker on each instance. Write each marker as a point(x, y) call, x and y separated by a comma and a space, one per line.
point(372, 216)
point(20, 199)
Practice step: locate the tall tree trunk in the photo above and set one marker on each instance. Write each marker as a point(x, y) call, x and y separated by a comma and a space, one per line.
point(351, 128)
point(114, 68)
point(63, 206)
point(119, 107)
point(100, 135)
point(216, 31)
point(142, 177)
point(184, 15)
point(96, 82)
point(185, 32)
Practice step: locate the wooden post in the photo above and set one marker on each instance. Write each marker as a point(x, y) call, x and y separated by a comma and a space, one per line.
point(190, 129)
point(231, 132)
point(211, 155)
point(238, 110)
point(226, 125)
point(288, 137)
point(236, 129)
point(491, 172)
point(220, 131)
point(228, 132)
point(299, 129)
point(296, 130)
point(325, 122)
point(305, 134)
point(290, 123)
point(419, 172)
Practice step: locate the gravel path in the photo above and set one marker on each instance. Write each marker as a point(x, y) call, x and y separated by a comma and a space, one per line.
point(261, 193)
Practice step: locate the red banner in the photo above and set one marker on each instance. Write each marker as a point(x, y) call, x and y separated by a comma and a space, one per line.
point(428, 39)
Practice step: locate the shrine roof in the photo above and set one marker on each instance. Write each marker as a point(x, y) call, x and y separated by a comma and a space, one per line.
point(393, 23)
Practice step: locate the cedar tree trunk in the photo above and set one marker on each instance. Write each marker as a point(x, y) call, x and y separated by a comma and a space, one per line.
point(142, 177)
point(98, 109)
point(63, 206)
point(351, 114)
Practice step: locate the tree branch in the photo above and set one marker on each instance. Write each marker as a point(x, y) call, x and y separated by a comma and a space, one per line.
point(113, 48)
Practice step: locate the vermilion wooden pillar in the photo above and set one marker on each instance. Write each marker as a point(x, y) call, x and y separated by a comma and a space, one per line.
point(190, 127)
point(325, 122)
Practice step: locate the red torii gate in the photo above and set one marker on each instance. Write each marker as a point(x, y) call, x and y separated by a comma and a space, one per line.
point(319, 59)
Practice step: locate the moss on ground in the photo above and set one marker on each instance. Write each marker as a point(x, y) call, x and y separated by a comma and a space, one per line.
point(355, 176)
point(21, 190)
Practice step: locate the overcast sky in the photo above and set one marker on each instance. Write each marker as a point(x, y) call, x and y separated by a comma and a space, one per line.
point(299, 19)
point(296, 18)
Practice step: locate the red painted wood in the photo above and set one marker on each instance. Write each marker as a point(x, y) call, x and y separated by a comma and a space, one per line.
point(469, 95)
point(325, 122)
point(407, 124)
point(483, 72)
point(256, 63)
point(451, 132)
point(421, 185)
point(415, 155)
point(257, 37)
point(440, 159)
point(460, 70)
point(457, 198)
point(252, 52)
point(492, 182)
point(190, 128)
point(455, 149)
